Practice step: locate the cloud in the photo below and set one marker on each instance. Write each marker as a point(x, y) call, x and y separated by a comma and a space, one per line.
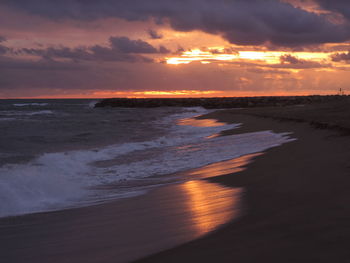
point(23, 77)
point(291, 59)
point(164, 50)
point(226, 50)
point(80, 53)
point(3, 49)
point(292, 62)
point(126, 45)
point(45, 77)
point(267, 71)
point(20, 77)
point(154, 34)
point(339, 6)
point(119, 49)
point(244, 22)
point(338, 57)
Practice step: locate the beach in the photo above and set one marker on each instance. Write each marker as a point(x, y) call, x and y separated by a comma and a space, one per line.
point(174, 131)
point(289, 204)
point(296, 195)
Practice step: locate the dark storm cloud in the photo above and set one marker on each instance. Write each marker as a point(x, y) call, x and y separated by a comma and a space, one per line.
point(339, 6)
point(2, 39)
point(243, 22)
point(341, 57)
point(119, 49)
point(154, 34)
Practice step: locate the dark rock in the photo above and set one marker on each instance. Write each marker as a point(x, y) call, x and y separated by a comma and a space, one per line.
point(217, 103)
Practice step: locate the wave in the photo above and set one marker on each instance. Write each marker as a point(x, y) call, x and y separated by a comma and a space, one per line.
point(42, 112)
point(7, 119)
point(26, 113)
point(92, 104)
point(58, 180)
point(29, 104)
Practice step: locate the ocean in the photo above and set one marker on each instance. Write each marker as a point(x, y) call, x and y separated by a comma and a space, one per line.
point(58, 154)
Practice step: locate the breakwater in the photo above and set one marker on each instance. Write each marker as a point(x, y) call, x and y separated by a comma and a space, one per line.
point(217, 103)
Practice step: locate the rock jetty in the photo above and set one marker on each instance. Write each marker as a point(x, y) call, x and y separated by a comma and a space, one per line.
point(217, 103)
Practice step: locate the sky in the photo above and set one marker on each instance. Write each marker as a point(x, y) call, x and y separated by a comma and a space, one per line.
point(173, 48)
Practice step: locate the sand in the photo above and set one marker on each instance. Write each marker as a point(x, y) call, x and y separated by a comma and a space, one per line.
point(297, 196)
point(126, 229)
point(291, 204)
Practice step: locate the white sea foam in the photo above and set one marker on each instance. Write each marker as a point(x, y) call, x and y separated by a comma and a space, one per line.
point(92, 104)
point(26, 113)
point(7, 119)
point(57, 180)
point(41, 112)
point(29, 104)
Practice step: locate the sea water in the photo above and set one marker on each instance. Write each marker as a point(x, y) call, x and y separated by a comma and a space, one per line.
point(57, 154)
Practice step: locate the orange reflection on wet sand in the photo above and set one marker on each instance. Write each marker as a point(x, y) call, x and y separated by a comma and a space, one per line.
point(222, 168)
point(200, 122)
point(210, 204)
point(131, 228)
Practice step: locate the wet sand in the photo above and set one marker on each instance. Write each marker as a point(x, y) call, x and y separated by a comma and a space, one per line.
point(126, 229)
point(290, 205)
point(297, 196)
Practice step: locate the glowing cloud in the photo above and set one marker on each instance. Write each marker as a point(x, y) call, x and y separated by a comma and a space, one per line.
point(268, 57)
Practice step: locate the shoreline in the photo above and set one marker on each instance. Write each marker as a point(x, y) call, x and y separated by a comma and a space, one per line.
point(126, 229)
point(296, 198)
point(285, 217)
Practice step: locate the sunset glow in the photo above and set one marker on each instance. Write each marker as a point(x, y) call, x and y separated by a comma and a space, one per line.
point(52, 53)
point(268, 57)
point(174, 131)
point(198, 55)
point(156, 93)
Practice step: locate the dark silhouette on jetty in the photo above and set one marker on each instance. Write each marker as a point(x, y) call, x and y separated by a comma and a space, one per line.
point(217, 103)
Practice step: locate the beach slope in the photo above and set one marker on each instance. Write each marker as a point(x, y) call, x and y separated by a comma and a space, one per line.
point(296, 196)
